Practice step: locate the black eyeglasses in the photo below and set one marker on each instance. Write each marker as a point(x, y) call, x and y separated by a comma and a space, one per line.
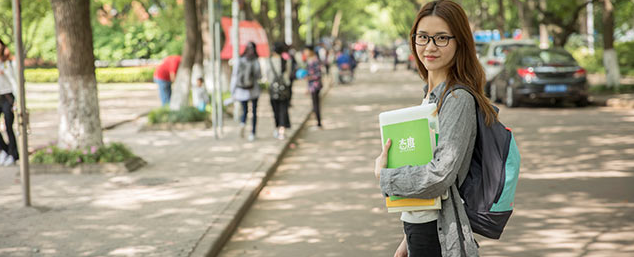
point(439, 40)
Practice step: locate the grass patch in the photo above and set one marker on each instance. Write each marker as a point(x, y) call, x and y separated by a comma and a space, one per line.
point(184, 115)
point(103, 75)
point(603, 89)
point(114, 152)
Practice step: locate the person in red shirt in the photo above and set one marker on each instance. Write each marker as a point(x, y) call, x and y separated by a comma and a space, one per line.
point(164, 75)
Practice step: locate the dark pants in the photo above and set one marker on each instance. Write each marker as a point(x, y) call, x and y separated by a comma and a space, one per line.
point(316, 108)
point(6, 104)
point(280, 113)
point(422, 239)
point(245, 110)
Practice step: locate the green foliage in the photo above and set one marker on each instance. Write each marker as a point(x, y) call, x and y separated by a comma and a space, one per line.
point(625, 53)
point(124, 75)
point(185, 114)
point(603, 89)
point(594, 63)
point(104, 75)
point(114, 152)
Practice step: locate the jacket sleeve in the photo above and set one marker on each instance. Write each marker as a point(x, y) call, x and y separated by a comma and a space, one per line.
point(457, 124)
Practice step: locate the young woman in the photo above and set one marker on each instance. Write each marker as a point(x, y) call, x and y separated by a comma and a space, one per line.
point(246, 95)
point(8, 152)
point(280, 88)
point(446, 57)
point(314, 80)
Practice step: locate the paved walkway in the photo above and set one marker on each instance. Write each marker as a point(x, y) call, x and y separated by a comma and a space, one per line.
point(184, 203)
point(178, 205)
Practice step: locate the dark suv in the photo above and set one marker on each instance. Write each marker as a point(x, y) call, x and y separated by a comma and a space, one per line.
point(540, 75)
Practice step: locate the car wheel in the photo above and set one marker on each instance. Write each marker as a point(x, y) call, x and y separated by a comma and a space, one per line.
point(493, 93)
point(511, 99)
point(583, 102)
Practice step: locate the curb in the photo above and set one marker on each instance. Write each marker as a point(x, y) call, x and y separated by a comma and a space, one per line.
point(103, 128)
point(613, 101)
point(225, 223)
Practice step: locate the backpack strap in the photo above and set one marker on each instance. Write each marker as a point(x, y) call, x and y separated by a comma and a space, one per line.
point(455, 87)
point(277, 77)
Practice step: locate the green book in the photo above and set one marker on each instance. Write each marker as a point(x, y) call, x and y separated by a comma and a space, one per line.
point(414, 136)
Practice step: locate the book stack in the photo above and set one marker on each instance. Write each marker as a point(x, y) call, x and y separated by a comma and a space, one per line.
point(413, 131)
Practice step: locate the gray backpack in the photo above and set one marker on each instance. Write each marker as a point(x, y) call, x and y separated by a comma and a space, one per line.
point(246, 74)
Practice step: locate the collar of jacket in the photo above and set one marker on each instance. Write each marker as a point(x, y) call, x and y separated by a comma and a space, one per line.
point(433, 96)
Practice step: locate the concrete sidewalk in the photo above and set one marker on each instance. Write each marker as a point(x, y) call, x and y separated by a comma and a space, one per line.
point(184, 203)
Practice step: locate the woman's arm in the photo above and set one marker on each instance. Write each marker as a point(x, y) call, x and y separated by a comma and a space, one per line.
point(458, 126)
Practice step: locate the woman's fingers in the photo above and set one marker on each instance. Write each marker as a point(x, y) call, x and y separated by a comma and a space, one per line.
point(386, 147)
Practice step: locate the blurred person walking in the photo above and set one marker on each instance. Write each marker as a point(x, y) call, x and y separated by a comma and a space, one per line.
point(164, 76)
point(313, 66)
point(279, 76)
point(8, 152)
point(245, 87)
point(445, 58)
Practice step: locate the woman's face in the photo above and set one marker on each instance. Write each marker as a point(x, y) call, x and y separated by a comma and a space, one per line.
point(435, 58)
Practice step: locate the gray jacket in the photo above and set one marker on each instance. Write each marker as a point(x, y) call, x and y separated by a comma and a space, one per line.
point(458, 126)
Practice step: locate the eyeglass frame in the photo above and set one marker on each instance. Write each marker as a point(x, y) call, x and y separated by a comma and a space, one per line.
point(432, 38)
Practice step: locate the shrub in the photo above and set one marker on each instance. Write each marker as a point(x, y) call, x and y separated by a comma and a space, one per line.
point(185, 114)
point(114, 152)
point(603, 89)
point(103, 75)
point(593, 63)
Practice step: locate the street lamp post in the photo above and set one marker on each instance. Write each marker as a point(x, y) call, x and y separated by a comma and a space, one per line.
point(22, 114)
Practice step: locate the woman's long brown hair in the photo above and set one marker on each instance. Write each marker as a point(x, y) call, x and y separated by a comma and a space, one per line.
point(464, 68)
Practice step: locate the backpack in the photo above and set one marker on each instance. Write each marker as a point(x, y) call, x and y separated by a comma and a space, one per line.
point(246, 74)
point(488, 191)
point(278, 90)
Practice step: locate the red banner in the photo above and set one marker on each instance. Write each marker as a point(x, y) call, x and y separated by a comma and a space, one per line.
point(249, 31)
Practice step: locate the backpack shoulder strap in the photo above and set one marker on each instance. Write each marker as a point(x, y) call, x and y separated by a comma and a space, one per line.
point(273, 69)
point(455, 87)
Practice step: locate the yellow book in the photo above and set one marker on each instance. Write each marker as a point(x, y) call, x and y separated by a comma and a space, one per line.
point(401, 204)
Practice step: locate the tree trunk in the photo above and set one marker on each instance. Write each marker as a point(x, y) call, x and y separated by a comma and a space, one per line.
point(500, 19)
point(525, 19)
point(543, 31)
point(204, 28)
point(197, 69)
point(181, 85)
point(297, 41)
point(610, 60)
point(79, 123)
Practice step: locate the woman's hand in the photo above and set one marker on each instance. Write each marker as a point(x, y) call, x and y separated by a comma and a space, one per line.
point(381, 161)
point(401, 251)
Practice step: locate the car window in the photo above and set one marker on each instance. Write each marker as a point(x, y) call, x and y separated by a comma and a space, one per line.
point(481, 48)
point(503, 50)
point(548, 58)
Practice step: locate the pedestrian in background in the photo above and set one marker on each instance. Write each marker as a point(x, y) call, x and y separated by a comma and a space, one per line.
point(280, 88)
point(313, 66)
point(200, 97)
point(445, 57)
point(164, 76)
point(8, 152)
point(245, 86)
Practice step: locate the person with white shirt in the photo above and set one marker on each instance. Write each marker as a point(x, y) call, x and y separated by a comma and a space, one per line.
point(8, 152)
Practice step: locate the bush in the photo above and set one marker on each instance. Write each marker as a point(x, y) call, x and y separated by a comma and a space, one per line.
point(603, 89)
point(594, 63)
point(103, 75)
point(625, 51)
point(185, 114)
point(114, 152)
